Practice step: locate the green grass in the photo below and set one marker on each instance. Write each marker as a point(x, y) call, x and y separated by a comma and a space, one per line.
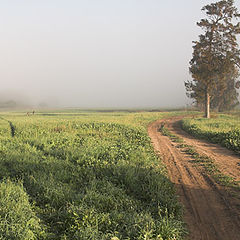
point(86, 175)
point(17, 218)
point(224, 130)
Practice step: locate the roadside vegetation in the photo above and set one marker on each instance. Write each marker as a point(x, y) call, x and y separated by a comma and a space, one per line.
point(84, 176)
point(202, 160)
point(223, 129)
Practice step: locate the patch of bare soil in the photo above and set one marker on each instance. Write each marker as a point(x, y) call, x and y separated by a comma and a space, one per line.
point(210, 211)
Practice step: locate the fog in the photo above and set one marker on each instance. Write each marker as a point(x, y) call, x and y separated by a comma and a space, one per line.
point(97, 54)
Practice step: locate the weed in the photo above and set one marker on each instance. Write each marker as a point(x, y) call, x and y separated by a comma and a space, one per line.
point(166, 132)
point(183, 145)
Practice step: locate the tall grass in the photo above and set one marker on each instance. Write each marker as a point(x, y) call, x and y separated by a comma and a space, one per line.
point(90, 177)
point(17, 218)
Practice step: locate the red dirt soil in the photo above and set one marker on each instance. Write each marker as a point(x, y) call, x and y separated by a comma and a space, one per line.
point(210, 211)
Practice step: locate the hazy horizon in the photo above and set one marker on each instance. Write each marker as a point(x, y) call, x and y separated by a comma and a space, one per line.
point(98, 54)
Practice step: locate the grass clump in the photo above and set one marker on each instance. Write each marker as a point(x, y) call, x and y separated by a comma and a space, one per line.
point(17, 218)
point(166, 132)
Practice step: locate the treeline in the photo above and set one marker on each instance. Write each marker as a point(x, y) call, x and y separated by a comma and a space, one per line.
point(8, 104)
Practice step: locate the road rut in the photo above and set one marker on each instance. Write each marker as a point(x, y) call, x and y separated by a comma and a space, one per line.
point(210, 211)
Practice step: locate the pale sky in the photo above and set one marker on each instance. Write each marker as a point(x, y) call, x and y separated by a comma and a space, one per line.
point(98, 54)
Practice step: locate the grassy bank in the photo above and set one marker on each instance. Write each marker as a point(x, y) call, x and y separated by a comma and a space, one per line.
point(224, 130)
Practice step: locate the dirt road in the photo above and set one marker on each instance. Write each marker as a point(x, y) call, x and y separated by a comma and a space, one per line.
point(210, 211)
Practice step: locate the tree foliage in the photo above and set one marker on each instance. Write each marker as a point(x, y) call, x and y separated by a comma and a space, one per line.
point(215, 61)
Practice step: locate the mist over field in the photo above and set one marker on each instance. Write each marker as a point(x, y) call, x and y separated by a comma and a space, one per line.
point(97, 54)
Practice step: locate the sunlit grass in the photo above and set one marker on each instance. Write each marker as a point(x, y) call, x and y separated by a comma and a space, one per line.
point(91, 176)
point(224, 129)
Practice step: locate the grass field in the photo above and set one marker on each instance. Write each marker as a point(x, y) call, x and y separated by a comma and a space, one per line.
point(84, 175)
point(223, 129)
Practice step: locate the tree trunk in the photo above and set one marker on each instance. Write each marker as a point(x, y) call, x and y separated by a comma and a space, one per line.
point(207, 104)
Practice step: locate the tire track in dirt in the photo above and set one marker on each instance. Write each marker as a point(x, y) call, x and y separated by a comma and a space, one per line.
point(227, 161)
point(209, 210)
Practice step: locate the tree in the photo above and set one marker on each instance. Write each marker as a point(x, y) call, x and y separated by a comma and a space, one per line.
point(8, 104)
point(215, 54)
point(225, 96)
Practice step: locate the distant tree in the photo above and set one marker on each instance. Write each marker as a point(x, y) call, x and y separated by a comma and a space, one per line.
point(215, 55)
point(8, 104)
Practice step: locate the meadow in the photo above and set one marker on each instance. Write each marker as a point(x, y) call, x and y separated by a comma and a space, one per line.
point(223, 129)
point(84, 175)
